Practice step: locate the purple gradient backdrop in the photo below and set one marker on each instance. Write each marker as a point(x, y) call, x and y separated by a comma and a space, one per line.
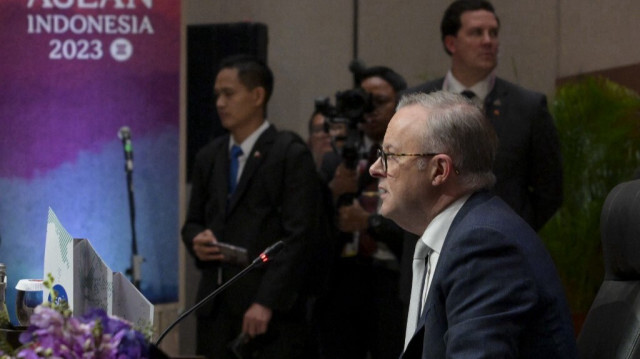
point(77, 104)
point(58, 144)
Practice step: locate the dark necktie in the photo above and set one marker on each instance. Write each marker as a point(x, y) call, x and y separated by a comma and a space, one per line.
point(468, 94)
point(236, 151)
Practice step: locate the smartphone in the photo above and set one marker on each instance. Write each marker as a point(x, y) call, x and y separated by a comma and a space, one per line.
point(233, 254)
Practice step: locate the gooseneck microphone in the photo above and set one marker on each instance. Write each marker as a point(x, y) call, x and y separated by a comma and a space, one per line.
point(264, 257)
point(125, 136)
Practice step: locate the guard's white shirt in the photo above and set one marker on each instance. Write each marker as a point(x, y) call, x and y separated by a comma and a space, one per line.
point(247, 146)
point(481, 88)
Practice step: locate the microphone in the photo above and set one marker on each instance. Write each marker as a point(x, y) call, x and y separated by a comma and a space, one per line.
point(268, 253)
point(264, 257)
point(125, 136)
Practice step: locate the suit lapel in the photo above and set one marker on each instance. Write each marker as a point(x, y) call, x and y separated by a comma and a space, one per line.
point(434, 86)
point(415, 346)
point(254, 160)
point(220, 175)
point(493, 104)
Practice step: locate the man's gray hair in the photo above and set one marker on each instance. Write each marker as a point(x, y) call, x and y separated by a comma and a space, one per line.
point(457, 127)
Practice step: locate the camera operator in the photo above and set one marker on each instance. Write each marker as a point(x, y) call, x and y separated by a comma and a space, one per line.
point(363, 313)
point(324, 136)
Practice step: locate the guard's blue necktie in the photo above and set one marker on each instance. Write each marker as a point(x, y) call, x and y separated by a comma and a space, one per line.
point(236, 151)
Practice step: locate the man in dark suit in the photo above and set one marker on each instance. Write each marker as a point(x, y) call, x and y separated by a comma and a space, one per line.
point(269, 192)
point(484, 285)
point(528, 164)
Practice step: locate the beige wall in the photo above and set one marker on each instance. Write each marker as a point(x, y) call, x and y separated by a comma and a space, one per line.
point(309, 48)
point(598, 35)
point(310, 41)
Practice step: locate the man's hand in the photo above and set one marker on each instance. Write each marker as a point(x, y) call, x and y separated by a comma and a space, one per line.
point(353, 218)
point(344, 181)
point(204, 248)
point(256, 320)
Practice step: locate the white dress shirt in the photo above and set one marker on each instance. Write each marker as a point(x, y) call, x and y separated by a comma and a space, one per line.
point(247, 146)
point(480, 89)
point(433, 237)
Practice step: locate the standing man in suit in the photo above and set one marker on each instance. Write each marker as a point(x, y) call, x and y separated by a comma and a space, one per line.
point(528, 165)
point(484, 285)
point(268, 192)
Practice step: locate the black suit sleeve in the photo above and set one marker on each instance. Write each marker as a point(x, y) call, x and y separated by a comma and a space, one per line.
point(301, 203)
point(486, 309)
point(546, 167)
point(196, 212)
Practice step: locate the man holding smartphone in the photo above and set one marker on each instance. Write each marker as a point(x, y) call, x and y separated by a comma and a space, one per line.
point(252, 188)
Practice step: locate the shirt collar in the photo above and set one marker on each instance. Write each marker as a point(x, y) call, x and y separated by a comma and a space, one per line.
point(247, 144)
point(437, 230)
point(481, 88)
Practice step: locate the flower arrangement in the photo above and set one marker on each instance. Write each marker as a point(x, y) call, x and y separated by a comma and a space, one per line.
point(54, 333)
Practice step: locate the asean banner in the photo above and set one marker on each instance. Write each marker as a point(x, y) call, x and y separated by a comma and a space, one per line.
point(73, 73)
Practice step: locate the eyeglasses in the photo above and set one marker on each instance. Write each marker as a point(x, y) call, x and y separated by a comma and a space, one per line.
point(384, 155)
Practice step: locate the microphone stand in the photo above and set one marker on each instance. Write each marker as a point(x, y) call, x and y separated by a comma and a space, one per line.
point(264, 257)
point(356, 16)
point(136, 260)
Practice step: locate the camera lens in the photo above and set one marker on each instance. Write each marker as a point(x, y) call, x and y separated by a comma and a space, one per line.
point(353, 103)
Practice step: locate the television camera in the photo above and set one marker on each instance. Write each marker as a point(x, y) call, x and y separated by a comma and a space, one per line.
point(350, 107)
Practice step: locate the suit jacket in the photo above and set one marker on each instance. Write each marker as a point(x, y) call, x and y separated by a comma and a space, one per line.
point(277, 198)
point(495, 292)
point(528, 164)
